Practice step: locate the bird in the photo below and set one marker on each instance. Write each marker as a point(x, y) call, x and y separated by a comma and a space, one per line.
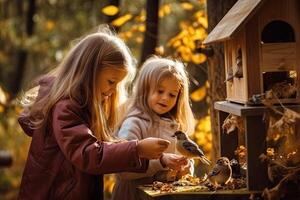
point(276, 170)
point(238, 72)
point(239, 66)
point(188, 148)
point(221, 172)
point(236, 168)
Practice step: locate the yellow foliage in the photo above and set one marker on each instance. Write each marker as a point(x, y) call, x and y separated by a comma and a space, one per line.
point(141, 17)
point(203, 21)
point(3, 96)
point(177, 43)
point(187, 6)
point(128, 34)
point(109, 183)
point(200, 34)
point(185, 56)
point(203, 135)
point(50, 25)
point(160, 50)
point(187, 40)
point(164, 10)
point(139, 40)
point(199, 14)
point(199, 94)
point(121, 20)
point(141, 28)
point(198, 58)
point(110, 10)
point(1, 108)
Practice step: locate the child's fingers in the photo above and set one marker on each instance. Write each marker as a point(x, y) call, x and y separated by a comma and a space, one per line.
point(162, 142)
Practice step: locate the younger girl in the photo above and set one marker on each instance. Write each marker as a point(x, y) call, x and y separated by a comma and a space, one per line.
point(70, 122)
point(159, 108)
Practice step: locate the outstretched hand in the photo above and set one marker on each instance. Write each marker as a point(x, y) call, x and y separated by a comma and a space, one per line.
point(173, 161)
point(152, 148)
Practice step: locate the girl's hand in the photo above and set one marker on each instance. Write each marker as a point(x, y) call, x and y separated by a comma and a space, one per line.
point(184, 170)
point(173, 161)
point(152, 148)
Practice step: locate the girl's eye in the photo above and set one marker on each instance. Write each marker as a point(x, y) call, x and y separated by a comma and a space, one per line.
point(160, 91)
point(172, 95)
point(110, 82)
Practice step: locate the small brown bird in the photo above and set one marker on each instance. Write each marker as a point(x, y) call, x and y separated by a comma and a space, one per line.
point(188, 148)
point(239, 65)
point(221, 173)
point(276, 170)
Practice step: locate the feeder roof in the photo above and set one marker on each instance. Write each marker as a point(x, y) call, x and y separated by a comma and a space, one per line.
point(238, 15)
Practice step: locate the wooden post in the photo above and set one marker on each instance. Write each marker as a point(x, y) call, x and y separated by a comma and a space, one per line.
point(255, 135)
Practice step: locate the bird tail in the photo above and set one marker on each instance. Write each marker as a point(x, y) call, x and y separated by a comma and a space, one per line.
point(205, 160)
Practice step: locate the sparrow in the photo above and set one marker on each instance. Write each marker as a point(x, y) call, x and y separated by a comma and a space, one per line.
point(276, 170)
point(239, 66)
point(238, 73)
point(221, 172)
point(188, 148)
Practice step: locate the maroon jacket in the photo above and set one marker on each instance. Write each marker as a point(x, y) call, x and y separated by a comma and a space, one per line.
point(67, 161)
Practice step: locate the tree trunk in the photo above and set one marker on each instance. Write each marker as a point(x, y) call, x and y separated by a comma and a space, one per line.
point(216, 71)
point(4, 9)
point(112, 18)
point(151, 33)
point(21, 54)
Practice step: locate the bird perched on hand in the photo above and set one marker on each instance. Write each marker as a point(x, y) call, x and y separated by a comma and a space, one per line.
point(189, 148)
point(221, 173)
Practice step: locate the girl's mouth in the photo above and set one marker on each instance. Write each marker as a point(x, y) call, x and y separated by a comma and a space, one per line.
point(162, 105)
point(105, 96)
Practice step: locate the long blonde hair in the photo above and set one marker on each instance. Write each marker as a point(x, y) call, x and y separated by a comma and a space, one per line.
point(154, 70)
point(76, 78)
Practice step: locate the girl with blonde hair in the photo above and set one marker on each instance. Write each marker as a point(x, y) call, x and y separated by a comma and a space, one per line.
point(159, 107)
point(70, 115)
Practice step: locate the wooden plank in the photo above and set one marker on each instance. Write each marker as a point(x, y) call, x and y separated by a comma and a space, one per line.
point(253, 57)
point(255, 133)
point(240, 85)
point(236, 17)
point(278, 56)
point(285, 10)
point(146, 193)
point(228, 67)
point(244, 110)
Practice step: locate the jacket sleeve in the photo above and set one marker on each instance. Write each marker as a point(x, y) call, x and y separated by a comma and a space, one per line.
point(84, 151)
point(131, 130)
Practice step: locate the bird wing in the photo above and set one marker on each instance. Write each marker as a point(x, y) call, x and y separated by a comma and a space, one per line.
point(215, 171)
point(192, 148)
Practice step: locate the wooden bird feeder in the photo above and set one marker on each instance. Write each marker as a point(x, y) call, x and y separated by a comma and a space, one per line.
point(262, 49)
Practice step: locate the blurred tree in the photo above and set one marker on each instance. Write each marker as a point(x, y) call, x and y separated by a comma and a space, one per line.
point(114, 5)
point(151, 33)
point(216, 71)
point(22, 54)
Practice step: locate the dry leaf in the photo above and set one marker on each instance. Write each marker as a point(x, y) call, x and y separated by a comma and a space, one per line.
point(241, 152)
point(110, 10)
point(121, 20)
point(199, 94)
point(232, 122)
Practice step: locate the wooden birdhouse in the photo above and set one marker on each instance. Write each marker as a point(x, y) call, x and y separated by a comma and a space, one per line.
point(262, 49)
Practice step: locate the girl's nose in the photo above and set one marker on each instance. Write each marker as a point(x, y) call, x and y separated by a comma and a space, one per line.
point(165, 96)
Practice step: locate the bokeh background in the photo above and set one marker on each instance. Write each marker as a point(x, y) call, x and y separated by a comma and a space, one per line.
point(36, 34)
